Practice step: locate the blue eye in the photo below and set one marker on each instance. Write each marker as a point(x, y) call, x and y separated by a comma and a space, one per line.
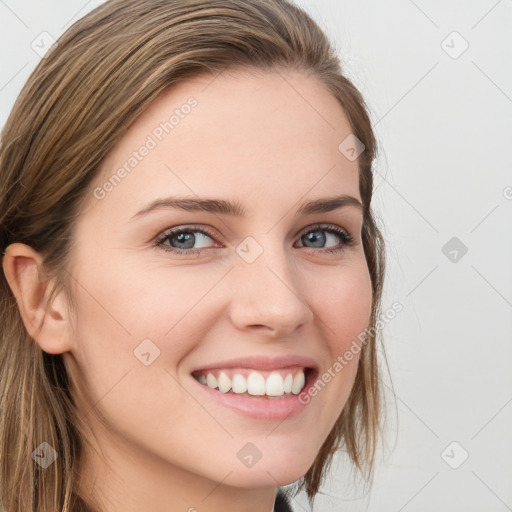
point(183, 240)
point(315, 235)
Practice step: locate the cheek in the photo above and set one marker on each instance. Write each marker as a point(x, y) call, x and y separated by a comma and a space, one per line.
point(124, 323)
point(343, 305)
point(121, 308)
point(343, 311)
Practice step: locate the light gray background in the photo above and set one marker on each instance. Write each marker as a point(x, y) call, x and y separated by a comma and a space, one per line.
point(444, 126)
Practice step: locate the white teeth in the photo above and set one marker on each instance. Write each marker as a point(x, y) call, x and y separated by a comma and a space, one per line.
point(224, 383)
point(298, 383)
point(239, 383)
point(256, 384)
point(211, 381)
point(274, 385)
point(287, 385)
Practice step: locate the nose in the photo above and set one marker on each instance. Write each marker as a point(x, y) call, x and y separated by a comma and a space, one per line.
point(267, 296)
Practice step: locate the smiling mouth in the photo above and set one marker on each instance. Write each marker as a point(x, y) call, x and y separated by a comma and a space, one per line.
point(248, 382)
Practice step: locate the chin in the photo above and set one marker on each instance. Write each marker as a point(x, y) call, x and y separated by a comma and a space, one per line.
point(275, 468)
point(255, 477)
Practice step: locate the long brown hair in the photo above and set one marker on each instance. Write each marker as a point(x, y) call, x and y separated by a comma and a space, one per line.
point(91, 86)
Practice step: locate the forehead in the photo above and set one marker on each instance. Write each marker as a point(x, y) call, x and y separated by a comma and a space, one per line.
point(265, 135)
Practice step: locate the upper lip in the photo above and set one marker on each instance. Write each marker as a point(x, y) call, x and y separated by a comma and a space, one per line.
point(262, 363)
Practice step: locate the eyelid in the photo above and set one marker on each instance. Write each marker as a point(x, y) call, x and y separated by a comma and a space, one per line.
point(185, 228)
point(348, 239)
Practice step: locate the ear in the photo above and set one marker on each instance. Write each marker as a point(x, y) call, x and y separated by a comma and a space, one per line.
point(46, 324)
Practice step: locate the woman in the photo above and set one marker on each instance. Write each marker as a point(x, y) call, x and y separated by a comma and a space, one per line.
point(192, 272)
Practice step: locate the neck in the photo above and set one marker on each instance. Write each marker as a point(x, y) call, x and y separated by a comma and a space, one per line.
point(127, 480)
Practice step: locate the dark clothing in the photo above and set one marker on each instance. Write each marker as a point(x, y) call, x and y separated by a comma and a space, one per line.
point(281, 503)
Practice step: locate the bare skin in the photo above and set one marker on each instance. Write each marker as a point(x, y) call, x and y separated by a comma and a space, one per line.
point(165, 446)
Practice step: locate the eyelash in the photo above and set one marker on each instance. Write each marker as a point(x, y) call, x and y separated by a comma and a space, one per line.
point(346, 239)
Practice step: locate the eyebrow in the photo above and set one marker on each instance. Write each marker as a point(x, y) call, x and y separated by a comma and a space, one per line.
point(221, 206)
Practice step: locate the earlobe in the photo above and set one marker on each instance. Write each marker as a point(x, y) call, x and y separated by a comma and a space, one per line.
point(46, 323)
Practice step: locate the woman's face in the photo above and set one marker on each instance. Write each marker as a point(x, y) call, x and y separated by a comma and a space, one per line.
point(266, 292)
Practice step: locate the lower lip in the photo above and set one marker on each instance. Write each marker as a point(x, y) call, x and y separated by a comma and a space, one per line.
point(261, 408)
